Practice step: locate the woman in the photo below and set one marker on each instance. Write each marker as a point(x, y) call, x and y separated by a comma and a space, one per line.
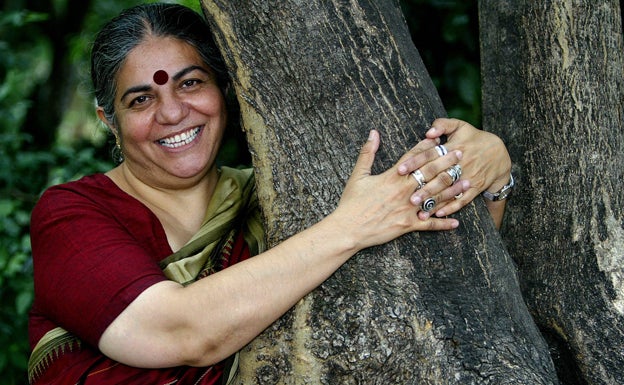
point(143, 275)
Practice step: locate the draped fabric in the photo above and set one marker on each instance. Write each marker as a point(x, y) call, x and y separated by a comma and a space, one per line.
point(233, 205)
point(231, 231)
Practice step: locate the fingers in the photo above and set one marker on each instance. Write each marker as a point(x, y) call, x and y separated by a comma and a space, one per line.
point(429, 170)
point(418, 156)
point(436, 224)
point(435, 175)
point(366, 158)
point(442, 199)
point(486, 166)
point(453, 205)
point(429, 162)
point(445, 126)
point(374, 209)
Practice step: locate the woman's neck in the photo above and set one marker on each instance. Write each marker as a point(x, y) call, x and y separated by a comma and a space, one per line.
point(180, 210)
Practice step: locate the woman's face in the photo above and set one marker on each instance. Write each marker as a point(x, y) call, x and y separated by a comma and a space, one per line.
point(170, 123)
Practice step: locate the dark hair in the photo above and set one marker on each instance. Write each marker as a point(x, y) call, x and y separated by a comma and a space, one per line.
point(132, 26)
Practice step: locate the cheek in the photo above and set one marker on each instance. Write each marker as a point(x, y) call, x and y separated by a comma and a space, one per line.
point(134, 130)
point(214, 102)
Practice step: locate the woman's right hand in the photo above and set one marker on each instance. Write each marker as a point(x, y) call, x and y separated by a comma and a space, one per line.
point(377, 208)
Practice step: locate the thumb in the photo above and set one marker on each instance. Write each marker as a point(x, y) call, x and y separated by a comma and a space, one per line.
point(367, 155)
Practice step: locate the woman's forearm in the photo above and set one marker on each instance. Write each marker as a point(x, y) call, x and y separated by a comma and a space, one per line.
point(205, 322)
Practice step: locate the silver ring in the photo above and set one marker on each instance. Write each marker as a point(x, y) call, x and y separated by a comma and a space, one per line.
point(420, 178)
point(458, 196)
point(428, 204)
point(441, 150)
point(454, 172)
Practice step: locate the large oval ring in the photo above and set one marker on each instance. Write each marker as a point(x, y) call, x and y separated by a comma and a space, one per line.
point(441, 150)
point(428, 204)
point(455, 173)
point(420, 178)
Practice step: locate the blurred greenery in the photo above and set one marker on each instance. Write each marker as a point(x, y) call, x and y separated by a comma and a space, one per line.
point(49, 134)
point(446, 33)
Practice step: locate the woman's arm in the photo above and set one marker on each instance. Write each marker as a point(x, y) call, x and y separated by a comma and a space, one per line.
point(205, 322)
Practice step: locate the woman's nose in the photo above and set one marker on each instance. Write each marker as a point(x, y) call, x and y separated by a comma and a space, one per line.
point(171, 110)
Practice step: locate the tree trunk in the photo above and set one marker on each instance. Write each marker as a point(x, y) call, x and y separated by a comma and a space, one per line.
point(312, 79)
point(553, 89)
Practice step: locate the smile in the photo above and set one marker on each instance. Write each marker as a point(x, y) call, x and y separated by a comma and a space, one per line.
point(180, 139)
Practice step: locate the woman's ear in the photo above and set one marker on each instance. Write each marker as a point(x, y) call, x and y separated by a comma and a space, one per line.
point(102, 116)
point(117, 153)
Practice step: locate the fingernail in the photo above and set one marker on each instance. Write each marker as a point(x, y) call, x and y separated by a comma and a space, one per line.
point(432, 130)
point(371, 135)
point(402, 169)
point(458, 154)
point(416, 200)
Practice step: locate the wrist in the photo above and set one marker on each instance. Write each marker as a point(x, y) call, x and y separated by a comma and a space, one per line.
point(341, 234)
point(502, 193)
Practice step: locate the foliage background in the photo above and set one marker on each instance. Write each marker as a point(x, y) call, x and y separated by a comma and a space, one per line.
point(49, 134)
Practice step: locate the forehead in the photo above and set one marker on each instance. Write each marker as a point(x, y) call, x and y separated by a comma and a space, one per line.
point(157, 54)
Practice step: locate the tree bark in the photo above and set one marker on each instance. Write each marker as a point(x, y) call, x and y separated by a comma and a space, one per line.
point(312, 78)
point(553, 89)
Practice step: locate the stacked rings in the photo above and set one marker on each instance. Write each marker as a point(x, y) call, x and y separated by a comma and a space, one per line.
point(455, 173)
point(441, 150)
point(420, 178)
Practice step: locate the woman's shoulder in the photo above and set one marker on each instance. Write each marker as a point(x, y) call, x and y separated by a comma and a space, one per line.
point(90, 192)
point(90, 183)
point(95, 203)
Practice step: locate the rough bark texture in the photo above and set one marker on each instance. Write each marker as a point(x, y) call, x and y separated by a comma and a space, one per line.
point(312, 78)
point(553, 89)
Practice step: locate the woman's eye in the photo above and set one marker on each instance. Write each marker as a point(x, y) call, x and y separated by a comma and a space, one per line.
point(190, 83)
point(138, 100)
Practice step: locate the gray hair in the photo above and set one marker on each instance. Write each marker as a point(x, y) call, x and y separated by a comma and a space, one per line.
point(132, 26)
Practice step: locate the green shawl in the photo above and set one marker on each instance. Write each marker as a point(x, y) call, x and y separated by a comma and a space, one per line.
point(233, 204)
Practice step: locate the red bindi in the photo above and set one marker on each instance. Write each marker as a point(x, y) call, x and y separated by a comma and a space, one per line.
point(160, 77)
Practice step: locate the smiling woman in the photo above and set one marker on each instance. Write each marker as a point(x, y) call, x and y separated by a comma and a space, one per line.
point(168, 132)
point(143, 274)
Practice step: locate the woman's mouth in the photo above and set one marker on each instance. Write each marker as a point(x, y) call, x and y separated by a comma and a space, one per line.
point(180, 139)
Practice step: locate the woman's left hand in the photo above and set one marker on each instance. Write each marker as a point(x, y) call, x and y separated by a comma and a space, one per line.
point(485, 164)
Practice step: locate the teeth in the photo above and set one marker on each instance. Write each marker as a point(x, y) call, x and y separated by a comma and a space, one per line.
point(180, 139)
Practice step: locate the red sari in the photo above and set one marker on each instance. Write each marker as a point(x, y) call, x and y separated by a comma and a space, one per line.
point(96, 248)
